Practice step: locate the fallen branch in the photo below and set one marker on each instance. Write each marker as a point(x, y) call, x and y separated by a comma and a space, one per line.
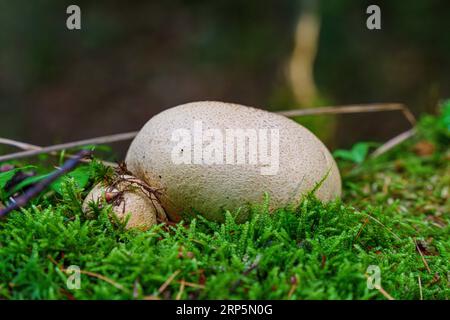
point(393, 142)
point(22, 200)
point(69, 145)
point(362, 108)
point(27, 146)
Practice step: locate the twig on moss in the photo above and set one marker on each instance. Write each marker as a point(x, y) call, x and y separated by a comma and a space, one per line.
point(422, 256)
point(366, 221)
point(191, 284)
point(381, 290)
point(69, 145)
point(168, 282)
point(22, 200)
point(380, 223)
point(384, 293)
point(180, 292)
point(102, 277)
point(90, 274)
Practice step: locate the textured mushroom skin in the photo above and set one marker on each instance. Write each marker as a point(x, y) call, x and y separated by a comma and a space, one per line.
point(134, 201)
point(211, 189)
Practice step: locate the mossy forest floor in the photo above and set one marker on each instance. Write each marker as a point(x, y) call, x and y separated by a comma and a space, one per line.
point(392, 224)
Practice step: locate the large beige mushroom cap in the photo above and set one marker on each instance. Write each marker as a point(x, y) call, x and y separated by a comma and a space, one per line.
point(210, 189)
point(127, 197)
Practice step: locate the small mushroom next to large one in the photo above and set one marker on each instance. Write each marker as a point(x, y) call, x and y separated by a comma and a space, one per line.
point(130, 199)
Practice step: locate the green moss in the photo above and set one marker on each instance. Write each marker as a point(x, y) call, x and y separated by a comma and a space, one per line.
point(391, 205)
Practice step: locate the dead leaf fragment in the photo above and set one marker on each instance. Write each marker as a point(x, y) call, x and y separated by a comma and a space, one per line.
point(426, 247)
point(437, 221)
point(424, 148)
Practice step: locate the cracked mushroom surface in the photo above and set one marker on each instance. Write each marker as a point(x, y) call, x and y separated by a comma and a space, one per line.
point(128, 196)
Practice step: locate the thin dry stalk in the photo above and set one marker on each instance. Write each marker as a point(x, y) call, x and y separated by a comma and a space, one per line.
point(292, 290)
point(366, 221)
point(384, 293)
point(422, 256)
point(361, 108)
point(393, 142)
point(381, 224)
point(168, 282)
point(180, 292)
point(151, 298)
point(420, 287)
point(69, 145)
point(90, 274)
point(192, 285)
point(27, 146)
point(102, 277)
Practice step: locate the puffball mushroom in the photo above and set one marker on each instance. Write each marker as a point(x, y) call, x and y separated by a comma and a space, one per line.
point(195, 155)
point(128, 196)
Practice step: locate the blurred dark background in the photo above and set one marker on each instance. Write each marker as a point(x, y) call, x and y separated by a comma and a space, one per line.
point(132, 59)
